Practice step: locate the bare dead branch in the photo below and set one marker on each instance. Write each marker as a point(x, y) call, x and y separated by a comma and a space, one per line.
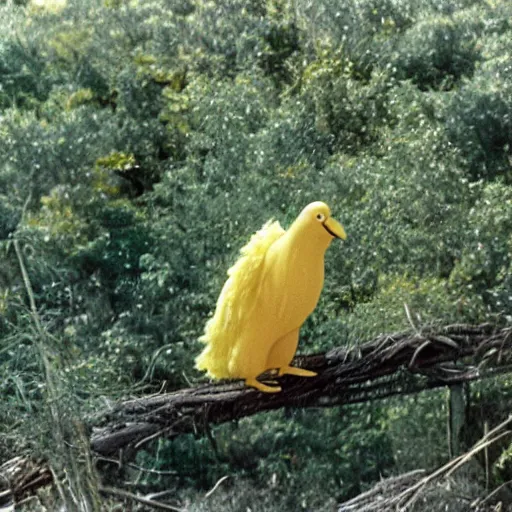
point(400, 493)
point(391, 364)
point(395, 364)
point(120, 493)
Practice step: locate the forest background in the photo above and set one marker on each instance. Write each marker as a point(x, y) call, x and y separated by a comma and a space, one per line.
point(142, 142)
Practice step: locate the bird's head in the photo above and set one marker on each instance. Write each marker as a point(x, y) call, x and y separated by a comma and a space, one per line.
point(316, 218)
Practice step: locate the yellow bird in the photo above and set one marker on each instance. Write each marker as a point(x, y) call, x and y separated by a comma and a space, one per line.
point(270, 291)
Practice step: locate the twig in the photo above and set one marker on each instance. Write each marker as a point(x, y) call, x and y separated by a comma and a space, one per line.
point(340, 381)
point(493, 493)
point(145, 501)
point(374, 370)
point(409, 318)
point(151, 365)
point(412, 493)
point(417, 352)
point(139, 468)
point(214, 488)
point(151, 437)
point(474, 451)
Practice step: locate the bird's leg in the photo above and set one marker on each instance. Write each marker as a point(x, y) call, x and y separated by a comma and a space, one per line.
point(299, 372)
point(253, 382)
point(282, 354)
point(283, 350)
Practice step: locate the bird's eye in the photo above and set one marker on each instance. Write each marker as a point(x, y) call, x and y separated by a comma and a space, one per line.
point(320, 217)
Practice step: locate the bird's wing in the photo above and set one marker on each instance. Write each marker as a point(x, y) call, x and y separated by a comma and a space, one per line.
point(236, 301)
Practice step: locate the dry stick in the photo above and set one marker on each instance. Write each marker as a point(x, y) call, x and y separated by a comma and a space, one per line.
point(215, 487)
point(507, 336)
point(452, 466)
point(335, 387)
point(152, 363)
point(24, 501)
point(445, 470)
point(145, 501)
point(486, 456)
point(409, 317)
point(445, 340)
point(339, 383)
point(417, 352)
point(160, 494)
point(151, 437)
point(355, 502)
point(138, 468)
point(474, 451)
point(496, 491)
point(494, 430)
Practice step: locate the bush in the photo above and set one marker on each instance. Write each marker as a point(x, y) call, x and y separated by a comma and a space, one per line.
point(435, 53)
point(479, 121)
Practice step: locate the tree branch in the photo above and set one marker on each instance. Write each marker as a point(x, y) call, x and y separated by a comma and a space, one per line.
point(392, 364)
point(400, 363)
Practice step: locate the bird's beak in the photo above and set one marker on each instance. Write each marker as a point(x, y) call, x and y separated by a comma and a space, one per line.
point(334, 228)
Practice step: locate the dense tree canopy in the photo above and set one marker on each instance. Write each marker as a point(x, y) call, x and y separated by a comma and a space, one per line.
point(142, 142)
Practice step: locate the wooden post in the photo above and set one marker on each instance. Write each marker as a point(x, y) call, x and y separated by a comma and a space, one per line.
point(456, 417)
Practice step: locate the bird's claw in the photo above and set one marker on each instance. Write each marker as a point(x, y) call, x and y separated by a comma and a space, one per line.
point(262, 387)
point(299, 372)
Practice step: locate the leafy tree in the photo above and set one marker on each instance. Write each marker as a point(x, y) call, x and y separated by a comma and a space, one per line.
point(141, 143)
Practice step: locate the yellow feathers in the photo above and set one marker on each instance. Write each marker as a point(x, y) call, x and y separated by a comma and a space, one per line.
point(236, 302)
point(271, 290)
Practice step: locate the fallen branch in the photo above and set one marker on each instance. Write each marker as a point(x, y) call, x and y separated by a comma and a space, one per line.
point(21, 477)
point(410, 495)
point(120, 493)
point(395, 364)
point(401, 492)
point(383, 496)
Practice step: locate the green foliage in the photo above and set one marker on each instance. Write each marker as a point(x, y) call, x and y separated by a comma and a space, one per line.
point(304, 452)
point(414, 423)
point(435, 53)
point(21, 68)
point(141, 143)
point(480, 124)
point(486, 263)
point(400, 301)
point(347, 110)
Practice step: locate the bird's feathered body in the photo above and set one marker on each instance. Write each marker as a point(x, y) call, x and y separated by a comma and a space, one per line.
point(271, 290)
point(236, 303)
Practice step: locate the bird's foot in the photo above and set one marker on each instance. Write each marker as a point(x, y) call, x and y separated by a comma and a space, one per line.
point(299, 372)
point(262, 387)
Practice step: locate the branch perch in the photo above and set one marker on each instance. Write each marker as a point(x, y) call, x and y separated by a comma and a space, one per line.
point(391, 364)
point(400, 363)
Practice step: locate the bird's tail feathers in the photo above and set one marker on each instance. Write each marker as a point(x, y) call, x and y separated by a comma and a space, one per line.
point(236, 302)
